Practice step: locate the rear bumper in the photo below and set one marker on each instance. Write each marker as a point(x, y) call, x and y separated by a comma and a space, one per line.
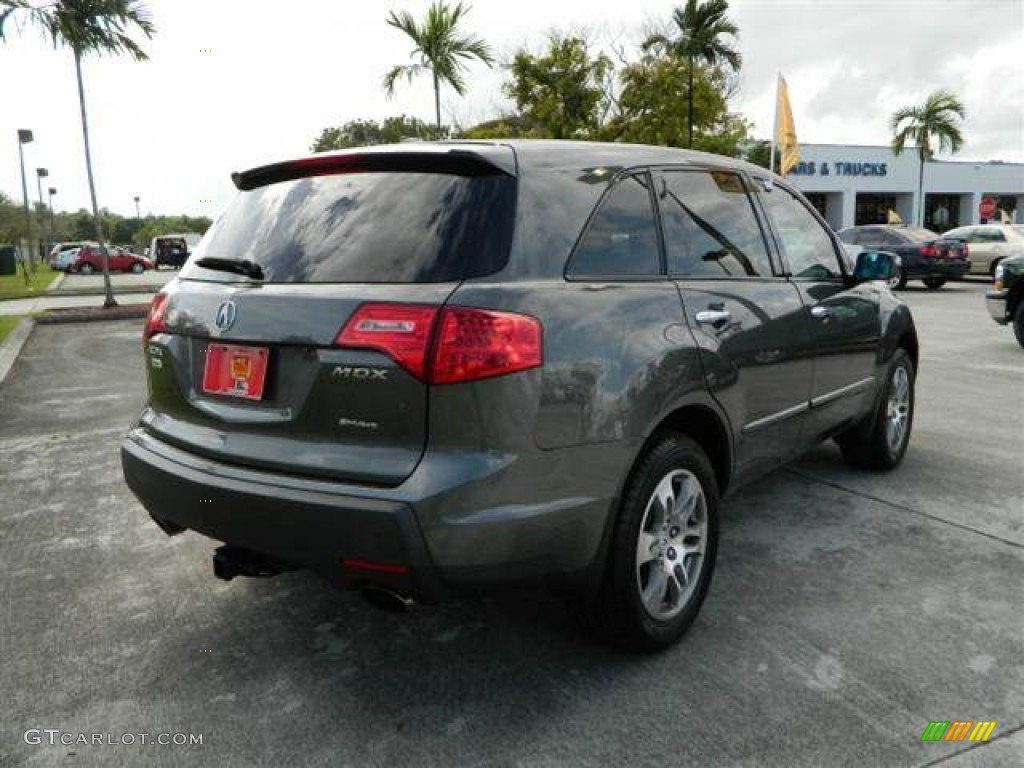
point(995, 302)
point(949, 270)
point(462, 523)
point(305, 527)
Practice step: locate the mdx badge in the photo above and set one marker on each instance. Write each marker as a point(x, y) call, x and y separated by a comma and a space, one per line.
point(361, 374)
point(226, 314)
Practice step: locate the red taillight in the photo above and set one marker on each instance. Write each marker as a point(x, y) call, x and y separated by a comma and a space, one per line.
point(401, 331)
point(478, 344)
point(468, 344)
point(929, 251)
point(156, 320)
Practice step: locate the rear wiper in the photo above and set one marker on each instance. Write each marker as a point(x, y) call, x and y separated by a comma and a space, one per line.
point(244, 267)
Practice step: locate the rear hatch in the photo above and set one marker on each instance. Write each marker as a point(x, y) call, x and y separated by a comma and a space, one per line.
point(267, 351)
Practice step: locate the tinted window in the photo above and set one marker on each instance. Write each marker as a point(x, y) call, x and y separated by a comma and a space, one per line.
point(805, 242)
point(918, 235)
point(710, 226)
point(989, 236)
point(384, 227)
point(878, 237)
point(621, 239)
point(851, 236)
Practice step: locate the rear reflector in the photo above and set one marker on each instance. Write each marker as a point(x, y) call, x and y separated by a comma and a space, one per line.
point(156, 320)
point(447, 345)
point(354, 564)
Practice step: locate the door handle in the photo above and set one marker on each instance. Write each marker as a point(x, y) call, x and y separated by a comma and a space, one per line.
point(713, 317)
point(820, 312)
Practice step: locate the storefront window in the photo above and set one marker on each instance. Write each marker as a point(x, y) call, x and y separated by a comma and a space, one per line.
point(874, 209)
point(941, 212)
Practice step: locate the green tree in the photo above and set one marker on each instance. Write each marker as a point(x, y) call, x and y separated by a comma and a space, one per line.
point(758, 152)
point(440, 49)
point(939, 118)
point(505, 127)
point(700, 29)
point(564, 92)
point(652, 90)
point(361, 133)
point(86, 26)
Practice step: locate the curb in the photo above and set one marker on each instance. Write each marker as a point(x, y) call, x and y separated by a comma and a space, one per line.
point(12, 345)
point(55, 283)
point(118, 291)
point(59, 316)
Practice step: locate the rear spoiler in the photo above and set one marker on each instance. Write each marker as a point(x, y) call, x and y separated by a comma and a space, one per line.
point(457, 162)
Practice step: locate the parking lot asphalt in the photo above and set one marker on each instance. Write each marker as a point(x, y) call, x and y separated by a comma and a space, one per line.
point(847, 611)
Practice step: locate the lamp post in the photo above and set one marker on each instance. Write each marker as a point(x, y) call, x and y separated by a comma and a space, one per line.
point(52, 191)
point(137, 214)
point(25, 137)
point(42, 173)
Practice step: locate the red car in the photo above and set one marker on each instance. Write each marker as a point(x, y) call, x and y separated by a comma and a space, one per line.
point(90, 260)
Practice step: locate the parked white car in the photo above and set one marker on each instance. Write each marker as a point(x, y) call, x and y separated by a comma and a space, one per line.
point(988, 244)
point(65, 259)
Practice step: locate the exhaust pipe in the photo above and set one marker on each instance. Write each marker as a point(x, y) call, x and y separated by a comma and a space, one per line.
point(229, 562)
point(387, 600)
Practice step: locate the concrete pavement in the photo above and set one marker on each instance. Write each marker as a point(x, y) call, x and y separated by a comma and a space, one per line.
point(847, 611)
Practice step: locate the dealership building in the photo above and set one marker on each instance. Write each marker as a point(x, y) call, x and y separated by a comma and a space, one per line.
point(862, 184)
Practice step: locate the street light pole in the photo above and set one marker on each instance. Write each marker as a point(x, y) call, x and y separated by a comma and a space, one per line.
point(137, 214)
point(42, 173)
point(25, 137)
point(52, 191)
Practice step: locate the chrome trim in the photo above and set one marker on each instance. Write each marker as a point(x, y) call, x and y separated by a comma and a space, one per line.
point(796, 410)
point(850, 389)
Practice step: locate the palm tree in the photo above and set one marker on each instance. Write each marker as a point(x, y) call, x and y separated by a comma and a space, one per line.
point(86, 26)
point(440, 49)
point(701, 27)
point(938, 118)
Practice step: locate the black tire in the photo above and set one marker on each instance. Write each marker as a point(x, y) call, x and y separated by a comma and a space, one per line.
point(934, 283)
point(137, 268)
point(86, 269)
point(867, 445)
point(899, 280)
point(618, 613)
point(1018, 322)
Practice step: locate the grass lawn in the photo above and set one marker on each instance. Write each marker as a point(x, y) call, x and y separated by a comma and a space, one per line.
point(7, 324)
point(13, 286)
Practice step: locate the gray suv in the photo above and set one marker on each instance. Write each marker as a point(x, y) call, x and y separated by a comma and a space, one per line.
point(438, 369)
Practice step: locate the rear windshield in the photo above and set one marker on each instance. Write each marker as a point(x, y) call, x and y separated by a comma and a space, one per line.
point(375, 227)
point(920, 235)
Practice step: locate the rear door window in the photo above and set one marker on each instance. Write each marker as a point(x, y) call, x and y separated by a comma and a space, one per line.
point(621, 239)
point(366, 227)
point(710, 226)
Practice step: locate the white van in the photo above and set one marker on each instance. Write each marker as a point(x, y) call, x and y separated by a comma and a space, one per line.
point(173, 250)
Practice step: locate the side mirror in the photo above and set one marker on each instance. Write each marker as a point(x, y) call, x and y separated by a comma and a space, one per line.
point(876, 265)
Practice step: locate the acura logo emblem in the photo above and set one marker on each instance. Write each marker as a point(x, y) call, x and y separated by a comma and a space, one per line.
point(226, 314)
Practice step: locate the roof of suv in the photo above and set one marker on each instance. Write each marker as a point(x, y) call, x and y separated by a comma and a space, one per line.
point(528, 154)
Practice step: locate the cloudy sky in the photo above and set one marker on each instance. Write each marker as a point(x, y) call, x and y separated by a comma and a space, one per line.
point(235, 83)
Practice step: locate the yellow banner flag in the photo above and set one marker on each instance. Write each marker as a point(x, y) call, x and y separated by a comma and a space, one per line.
point(785, 131)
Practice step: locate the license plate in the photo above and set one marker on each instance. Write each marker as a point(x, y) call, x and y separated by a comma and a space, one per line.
point(235, 371)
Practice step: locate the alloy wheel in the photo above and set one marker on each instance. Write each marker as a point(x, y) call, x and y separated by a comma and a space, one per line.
point(897, 409)
point(671, 544)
